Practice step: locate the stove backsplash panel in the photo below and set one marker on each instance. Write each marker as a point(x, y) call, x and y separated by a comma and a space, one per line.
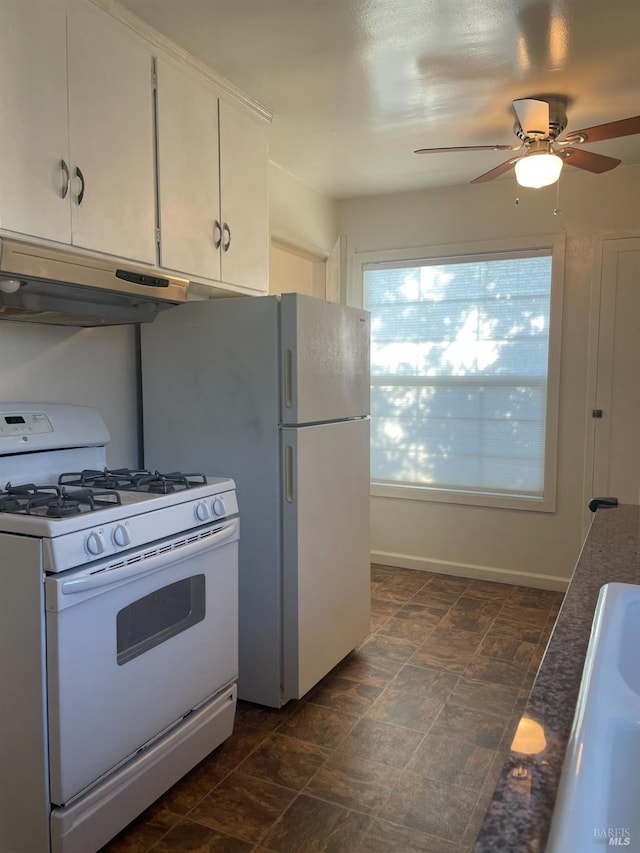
point(88, 367)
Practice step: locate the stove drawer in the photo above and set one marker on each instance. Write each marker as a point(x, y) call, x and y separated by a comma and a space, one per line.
point(131, 650)
point(92, 820)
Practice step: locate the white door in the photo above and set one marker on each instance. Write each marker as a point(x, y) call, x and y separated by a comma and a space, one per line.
point(325, 360)
point(188, 172)
point(325, 511)
point(616, 469)
point(112, 136)
point(243, 199)
point(33, 105)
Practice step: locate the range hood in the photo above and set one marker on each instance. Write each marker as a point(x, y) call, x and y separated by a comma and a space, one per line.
point(61, 287)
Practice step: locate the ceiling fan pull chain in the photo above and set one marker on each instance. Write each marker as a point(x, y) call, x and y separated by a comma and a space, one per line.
point(556, 210)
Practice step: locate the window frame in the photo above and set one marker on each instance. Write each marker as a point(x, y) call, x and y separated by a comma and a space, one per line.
point(504, 249)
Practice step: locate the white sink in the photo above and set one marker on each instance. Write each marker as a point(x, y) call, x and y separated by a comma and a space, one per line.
point(598, 802)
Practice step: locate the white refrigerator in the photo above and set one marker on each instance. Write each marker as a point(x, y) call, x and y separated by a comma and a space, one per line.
point(274, 392)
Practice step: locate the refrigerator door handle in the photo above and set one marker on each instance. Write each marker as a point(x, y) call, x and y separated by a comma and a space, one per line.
point(288, 378)
point(289, 472)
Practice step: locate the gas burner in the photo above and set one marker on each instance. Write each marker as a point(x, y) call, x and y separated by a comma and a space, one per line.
point(158, 483)
point(63, 508)
point(114, 478)
point(55, 501)
point(71, 503)
point(137, 480)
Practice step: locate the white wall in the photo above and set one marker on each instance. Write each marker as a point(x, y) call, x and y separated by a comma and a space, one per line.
point(292, 270)
point(300, 215)
point(529, 547)
point(89, 367)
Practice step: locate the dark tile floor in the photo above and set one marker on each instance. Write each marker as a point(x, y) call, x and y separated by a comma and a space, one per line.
point(397, 749)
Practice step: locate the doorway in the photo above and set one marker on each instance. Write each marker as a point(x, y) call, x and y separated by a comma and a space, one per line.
point(616, 413)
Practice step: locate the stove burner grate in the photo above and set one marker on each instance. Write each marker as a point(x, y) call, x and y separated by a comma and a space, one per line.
point(55, 501)
point(14, 498)
point(137, 480)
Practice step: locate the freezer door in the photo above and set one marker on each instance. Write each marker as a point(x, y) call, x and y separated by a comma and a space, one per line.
point(325, 360)
point(325, 548)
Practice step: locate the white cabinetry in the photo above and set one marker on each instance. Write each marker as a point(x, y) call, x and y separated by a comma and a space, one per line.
point(33, 106)
point(76, 101)
point(188, 178)
point(212, 173)
point(243, 199)
point(78, 145)
point(111, 135)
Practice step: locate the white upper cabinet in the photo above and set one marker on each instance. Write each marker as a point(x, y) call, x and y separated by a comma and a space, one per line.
point(243, 199)
point(33, 105)
point(77, 161)
point(80, 138)
point(188, 180)
point(111, 136)
point(212, 182)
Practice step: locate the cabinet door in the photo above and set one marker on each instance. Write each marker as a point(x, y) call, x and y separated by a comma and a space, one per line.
point(112, 136)
point(33, 105)
point(243, 194)
point(188, 172)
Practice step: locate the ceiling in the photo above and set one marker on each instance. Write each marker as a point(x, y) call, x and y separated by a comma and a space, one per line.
point(356, 85)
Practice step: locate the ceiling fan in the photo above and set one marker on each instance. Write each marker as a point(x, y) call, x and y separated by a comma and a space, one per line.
point(539, 123)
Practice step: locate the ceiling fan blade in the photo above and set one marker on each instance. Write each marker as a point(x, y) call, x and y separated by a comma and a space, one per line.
point(588, 160)
point(499, 170)
point(464, 148)
point(533, 116)
point(611, 130)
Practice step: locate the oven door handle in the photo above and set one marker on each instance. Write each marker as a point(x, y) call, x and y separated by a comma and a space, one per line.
point(151, 564)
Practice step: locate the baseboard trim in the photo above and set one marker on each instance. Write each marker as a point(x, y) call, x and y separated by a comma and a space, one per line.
point(469, 570)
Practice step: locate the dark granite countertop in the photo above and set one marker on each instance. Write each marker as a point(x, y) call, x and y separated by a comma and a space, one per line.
point(519, 815)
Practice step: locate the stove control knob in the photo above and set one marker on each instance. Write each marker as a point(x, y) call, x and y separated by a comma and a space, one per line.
point(217, 507)
point(121, 536)
point(202, 511)
point(95, 543)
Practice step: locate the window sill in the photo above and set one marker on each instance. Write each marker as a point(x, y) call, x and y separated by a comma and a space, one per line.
point(451, 496)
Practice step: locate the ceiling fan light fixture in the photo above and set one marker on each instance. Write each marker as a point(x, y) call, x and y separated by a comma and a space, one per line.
point(538, 169)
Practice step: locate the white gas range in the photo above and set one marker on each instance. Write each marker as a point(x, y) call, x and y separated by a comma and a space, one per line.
point(118, 629)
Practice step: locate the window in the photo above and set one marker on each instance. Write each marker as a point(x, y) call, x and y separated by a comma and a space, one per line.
point(462, 404)
point(157, 617)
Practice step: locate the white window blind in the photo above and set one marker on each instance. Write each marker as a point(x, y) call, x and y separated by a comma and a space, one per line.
point(459, 362)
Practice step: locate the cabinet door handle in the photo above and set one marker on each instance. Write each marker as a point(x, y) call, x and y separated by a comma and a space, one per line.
point(217, 234)
point(66, 179)
point(80, 195)
point(227, 231)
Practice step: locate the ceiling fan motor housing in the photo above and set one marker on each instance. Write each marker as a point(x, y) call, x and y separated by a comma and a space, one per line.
point(557, 119)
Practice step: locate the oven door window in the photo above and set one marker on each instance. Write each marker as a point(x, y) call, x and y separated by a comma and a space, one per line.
point(159, 616)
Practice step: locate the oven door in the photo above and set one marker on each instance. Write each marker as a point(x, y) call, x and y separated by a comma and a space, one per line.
point(133, 645)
